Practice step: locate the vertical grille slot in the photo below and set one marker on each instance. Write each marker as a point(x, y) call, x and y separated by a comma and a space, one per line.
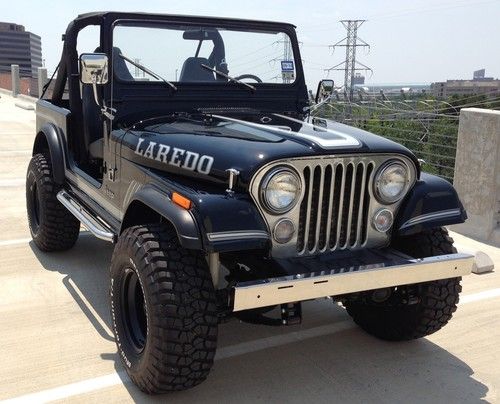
point(356, 205)
point(325, 206)
point(339, 173)
point(366, 202)
point(303, 211)
point(346, 207)
point(334, 210)
point(316, 190)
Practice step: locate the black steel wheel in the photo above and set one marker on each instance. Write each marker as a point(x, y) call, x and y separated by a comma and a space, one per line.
point(134, 310)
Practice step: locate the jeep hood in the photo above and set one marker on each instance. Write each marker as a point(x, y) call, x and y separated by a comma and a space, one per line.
point(206, 146)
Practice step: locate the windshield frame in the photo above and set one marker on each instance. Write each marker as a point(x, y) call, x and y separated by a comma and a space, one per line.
point(233, 25)
point(138, 100)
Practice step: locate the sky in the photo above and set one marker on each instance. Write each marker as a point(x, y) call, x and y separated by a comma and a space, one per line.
point(419, 41)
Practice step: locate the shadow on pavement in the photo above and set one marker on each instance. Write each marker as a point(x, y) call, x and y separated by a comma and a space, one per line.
point(86, 270)
point(345, 365)
point(348, 367)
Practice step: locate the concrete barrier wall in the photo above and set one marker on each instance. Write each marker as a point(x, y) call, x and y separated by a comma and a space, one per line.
point(477, 173)
point(28, 85)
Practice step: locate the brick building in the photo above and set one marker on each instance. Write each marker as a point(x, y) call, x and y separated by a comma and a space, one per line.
point(479, 85)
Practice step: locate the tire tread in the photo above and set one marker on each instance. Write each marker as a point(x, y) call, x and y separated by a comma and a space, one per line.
point(184, 314)
point(438, 299)
point(58, 229)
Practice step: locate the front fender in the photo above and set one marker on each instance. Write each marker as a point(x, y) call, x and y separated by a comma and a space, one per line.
point(231, 223)
point(183, 220)
point(432, 202)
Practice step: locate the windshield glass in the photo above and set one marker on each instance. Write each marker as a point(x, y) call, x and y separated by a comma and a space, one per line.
point(182, 54)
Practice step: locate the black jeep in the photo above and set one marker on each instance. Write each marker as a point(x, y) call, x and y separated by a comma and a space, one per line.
point(189, 143)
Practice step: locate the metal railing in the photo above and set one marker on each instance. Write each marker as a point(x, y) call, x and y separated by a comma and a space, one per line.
point(428, 127)
point(431, 135)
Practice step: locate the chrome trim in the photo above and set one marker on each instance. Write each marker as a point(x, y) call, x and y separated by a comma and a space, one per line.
point(237, 235)
point(233, 173)
point(404, 191)
point(442, 214)
point(267, 179)
point(285, 219)
point(295, 288)
point(92, 224)
point(329, 203)
point(374, 218)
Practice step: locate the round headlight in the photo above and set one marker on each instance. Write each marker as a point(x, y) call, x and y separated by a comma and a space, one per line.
point(280, 190)
point(382, 220)
point(391, 182)
point(283, 231)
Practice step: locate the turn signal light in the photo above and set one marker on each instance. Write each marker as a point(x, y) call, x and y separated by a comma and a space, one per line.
point(180, 200)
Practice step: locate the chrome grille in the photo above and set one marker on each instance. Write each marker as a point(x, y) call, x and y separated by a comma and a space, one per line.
point(334, 210)
point(336, 203)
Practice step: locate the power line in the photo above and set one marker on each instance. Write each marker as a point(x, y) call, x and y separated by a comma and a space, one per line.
point(403, 12)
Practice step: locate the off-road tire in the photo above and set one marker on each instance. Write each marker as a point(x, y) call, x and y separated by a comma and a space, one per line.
point(437, 300)
point(180, 338)
point(52, 226)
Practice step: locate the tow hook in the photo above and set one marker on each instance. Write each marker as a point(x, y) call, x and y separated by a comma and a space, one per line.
point(291, 313)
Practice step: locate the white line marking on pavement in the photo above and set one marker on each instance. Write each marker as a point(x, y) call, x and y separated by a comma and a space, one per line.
point(69, 390)
point(12, 182)
point(102, 382)
point(475, 297)
point(113, 379)
point(15, 242)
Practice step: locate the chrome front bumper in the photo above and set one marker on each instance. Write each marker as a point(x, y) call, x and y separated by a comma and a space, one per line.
point(329, 278)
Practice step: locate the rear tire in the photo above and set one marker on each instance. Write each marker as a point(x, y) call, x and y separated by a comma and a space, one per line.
point(411, 311)
point(52, 226)
point(163, 308)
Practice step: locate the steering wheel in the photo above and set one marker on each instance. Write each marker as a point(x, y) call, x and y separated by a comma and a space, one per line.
point(249, 76)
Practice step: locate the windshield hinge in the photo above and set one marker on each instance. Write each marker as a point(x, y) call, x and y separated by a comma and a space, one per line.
point(108, 112)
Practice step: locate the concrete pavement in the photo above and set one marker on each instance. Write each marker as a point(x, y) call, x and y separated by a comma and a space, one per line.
point(57, 344)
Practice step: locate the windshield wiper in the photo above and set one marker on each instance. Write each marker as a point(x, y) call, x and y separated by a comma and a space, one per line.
point(146, 70)
point(218, 72)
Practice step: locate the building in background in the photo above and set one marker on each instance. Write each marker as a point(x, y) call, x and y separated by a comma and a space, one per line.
point(479, 85)
point(19, 47)
point(358, 79)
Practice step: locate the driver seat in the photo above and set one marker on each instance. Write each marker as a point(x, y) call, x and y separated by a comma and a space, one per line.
point(193, 72)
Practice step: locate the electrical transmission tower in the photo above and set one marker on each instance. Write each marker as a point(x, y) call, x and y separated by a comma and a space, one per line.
point(350, 65)
point(287, 76)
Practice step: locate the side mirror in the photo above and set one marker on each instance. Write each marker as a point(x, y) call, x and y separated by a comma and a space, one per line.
point(325, 90)
point(93, 68)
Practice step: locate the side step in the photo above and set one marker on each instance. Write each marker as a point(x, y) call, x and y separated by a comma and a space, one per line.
point(96, 227)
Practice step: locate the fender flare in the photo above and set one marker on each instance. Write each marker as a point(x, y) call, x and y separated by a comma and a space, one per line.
point(181, 219)
point(432, 202)
point(48, 137)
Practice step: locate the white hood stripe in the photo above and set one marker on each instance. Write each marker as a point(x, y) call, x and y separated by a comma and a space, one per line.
point(340, 140)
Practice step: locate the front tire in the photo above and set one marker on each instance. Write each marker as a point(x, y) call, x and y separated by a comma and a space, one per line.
point(163, 308)
point(52, 226)
point(411, 311)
